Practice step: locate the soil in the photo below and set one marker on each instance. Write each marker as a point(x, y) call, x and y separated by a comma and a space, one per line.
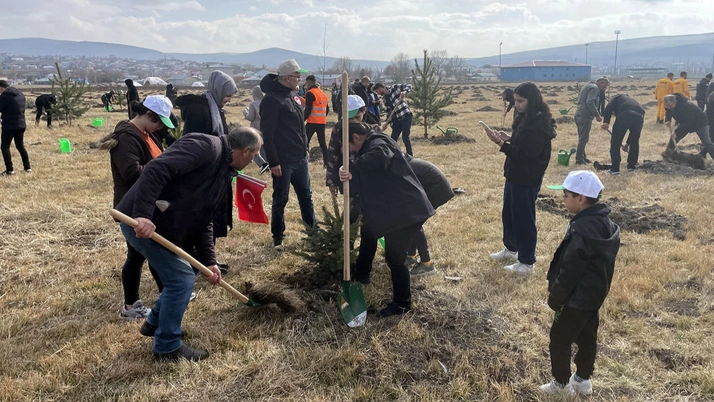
point(487, 109)
point(640, 219)
point(451, 139)
point(552, 102)
point(564, 120)
point(671, 168)
point(275, 293)
point(685, 307)
point(651, 103)
point(693, 160)
point(315, 154)
point(674, 361)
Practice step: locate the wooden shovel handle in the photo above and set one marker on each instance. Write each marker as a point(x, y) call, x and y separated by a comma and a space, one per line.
point(179, 252)
point(346, 184)
point(386, 122)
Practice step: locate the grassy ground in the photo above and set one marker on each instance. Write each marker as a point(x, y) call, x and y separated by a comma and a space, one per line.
point(484, 338)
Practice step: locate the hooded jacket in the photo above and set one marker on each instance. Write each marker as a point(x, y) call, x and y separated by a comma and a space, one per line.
point(196, 115)
point(702, 90)
point(432, 180)
point(132, 94)
point(45, 101)
point(581, 271)
point(12, 109)
point(128, 154)
point(390, 195)
point(252, 112)
point(194, 177)
point(282, 123)
point(528, 151)
point(620, 104)
point(688, 115)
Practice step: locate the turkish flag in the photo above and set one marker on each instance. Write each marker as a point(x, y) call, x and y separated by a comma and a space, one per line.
point(248, 199)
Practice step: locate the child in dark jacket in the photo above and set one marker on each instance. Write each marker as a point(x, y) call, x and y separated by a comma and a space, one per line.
point(578, 281)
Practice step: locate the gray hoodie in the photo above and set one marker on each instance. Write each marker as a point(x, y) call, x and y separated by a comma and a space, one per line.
point(252, 112)
point(589, 100)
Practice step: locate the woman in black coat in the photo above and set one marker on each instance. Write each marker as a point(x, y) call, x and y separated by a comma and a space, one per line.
point(132, 94)
point(527, 156)
point(393, 203)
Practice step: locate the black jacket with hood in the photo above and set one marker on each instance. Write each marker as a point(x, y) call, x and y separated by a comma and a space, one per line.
point(12, 109)
point(196, 114)
point(194, 176)
point(432, 180)
point(129, 153)
point(45, 101)
point(282, 123)
point(688, 115)
point(581, 271)
point(702, 87)
point(390, 194)
point(528, 151)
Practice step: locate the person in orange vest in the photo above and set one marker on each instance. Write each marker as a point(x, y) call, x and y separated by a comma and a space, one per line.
point(663, 88)
point(681, 85)
point(316, 110)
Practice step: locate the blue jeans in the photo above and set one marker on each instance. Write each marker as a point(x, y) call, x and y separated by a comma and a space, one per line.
point(403, 127)
point(519, 220)
point(178, 278)
point(297, 174)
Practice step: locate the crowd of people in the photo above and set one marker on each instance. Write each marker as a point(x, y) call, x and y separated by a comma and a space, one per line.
point(184, 192)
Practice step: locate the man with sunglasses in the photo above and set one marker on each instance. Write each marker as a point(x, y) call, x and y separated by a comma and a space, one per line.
point(285, 145)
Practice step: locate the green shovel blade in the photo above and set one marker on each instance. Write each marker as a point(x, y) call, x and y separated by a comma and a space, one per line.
point(352, 305)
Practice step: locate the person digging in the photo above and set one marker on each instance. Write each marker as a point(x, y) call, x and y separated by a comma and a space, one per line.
point(690, 119)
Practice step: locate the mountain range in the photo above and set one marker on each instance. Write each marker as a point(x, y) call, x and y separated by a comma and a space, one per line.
point(661, 50)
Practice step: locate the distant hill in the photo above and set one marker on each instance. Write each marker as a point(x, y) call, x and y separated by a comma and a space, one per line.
point(663, 50)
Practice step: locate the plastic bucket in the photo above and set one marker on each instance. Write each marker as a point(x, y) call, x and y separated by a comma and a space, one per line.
point(381, 242)
point(65, 146)
point(98, 122)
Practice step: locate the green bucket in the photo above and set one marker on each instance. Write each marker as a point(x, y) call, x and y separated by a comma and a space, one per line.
point(98, 122)
point(65, 146)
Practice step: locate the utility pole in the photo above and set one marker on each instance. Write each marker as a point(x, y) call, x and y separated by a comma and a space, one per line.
point(499, 60)
point(617, 38)
point(586, 52)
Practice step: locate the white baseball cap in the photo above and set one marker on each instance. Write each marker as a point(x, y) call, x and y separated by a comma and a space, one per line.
point(162, 106)
point(354, 104)
point(582, 182)
point(290, 66)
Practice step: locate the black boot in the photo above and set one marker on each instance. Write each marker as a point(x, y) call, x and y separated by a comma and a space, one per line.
point(185, 352)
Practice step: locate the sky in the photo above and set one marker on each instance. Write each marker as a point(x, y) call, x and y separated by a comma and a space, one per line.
point(366, 29)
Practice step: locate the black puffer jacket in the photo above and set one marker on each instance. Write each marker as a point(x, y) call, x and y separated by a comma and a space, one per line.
point(528, 151)
point(12, 109)
point(433, 181)
point(390, 194)
point(581, 271)
point(129, 153)
point(282, 123)
point(45, 101)
point(689, 116)
point(194, 177)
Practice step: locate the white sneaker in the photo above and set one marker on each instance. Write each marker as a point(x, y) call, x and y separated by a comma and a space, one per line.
point(520, 268)
point(554, 388)
point(136, 312)
point(505, 254)
point(583, 387)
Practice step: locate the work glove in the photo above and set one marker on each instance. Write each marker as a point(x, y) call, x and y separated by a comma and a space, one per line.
point(554, 305)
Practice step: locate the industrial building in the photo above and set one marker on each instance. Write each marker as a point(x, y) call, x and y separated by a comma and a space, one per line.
point(538, 70)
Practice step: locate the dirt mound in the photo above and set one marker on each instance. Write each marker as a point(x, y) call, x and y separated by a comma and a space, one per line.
point(671, 168)
point(275, 293)
point(315, 154)
point(451, 139)
point(564, 120)
point(639, 219)
point(552, 102)
point(651, 103)
point(692, 160)
point(487, 109)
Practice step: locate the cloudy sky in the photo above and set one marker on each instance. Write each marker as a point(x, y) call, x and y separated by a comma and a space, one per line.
point(366, 29)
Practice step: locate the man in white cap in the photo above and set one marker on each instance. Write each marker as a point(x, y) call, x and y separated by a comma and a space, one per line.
point(283, 128)
point(578, 281)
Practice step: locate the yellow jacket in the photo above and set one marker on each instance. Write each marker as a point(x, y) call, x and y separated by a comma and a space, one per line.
point(664, 87)
point(681, 86)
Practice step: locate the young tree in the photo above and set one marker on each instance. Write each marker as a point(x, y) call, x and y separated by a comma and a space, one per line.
point(69, 96)
point(428, 98)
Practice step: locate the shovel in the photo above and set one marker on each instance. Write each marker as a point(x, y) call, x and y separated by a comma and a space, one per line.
point(351, 301)
point(178, 251)
point(394, 109)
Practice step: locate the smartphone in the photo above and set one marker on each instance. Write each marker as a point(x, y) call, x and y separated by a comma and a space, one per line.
point(485, 126)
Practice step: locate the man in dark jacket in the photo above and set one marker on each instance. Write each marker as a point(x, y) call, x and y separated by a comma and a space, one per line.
point(360, 89)
point(132, 94)
point(171, 92)
point(702, 87)
point(710, 115)
point(629, 116)
point(12, 114)
point(579, 280)
point(176, 195)
point(44, 102)
point(283, 128)
point(691, 119)
point(392, 201)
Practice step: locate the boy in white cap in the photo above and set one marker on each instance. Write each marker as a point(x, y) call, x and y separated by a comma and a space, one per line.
point(578, 281)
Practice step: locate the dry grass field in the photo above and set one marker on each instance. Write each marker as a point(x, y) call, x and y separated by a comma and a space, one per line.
point(484, 338)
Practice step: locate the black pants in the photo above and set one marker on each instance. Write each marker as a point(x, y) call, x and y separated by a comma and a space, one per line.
point(519, 220)
point(579, 327)
point(396, 245)
point(403, 127)
point(701, 104)
point(367, 251)
point(625, 121)
point(312, 128)
point(7, 137)
point(38, 115)
point(420, 244)
point(131, 275)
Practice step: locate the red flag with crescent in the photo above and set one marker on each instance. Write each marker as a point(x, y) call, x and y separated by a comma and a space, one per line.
point(249, 199)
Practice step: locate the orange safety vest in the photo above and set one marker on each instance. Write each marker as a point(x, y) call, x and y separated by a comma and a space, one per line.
point(318, 115)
